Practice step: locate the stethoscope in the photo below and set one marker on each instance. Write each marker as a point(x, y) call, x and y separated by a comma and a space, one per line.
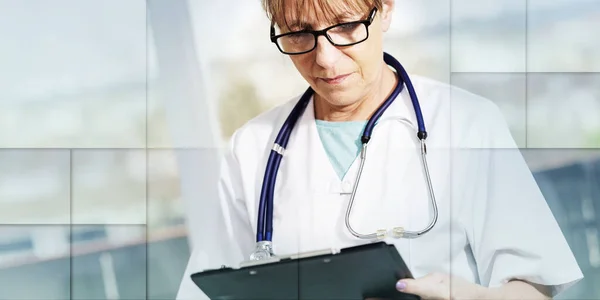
point(264, 233)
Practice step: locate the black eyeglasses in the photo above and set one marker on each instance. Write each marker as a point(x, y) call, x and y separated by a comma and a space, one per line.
point(343, 34)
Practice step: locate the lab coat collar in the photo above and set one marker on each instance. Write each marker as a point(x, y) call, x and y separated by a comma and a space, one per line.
point(401, 108)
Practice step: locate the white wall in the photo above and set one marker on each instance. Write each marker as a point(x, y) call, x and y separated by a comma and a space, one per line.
point(191, 115)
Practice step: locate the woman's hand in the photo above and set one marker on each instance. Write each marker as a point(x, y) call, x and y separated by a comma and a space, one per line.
point(438, 286)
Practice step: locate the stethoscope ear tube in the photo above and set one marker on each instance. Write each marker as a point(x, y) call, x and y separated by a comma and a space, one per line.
point(366, 137)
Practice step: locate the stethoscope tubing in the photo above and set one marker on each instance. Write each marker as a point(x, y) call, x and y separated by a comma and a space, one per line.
point(265, 210)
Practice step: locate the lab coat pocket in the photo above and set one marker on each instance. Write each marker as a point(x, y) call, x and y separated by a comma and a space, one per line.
point(285, 222)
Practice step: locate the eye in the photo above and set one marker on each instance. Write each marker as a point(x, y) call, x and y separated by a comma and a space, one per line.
point(298, 38)
point(346, 27)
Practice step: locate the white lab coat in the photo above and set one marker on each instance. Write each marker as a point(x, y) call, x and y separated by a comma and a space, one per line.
point(494, 224)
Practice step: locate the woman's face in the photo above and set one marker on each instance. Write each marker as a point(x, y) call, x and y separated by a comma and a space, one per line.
point(342, 75)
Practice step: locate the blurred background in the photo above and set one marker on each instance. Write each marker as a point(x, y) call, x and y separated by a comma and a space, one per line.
point(113, 114)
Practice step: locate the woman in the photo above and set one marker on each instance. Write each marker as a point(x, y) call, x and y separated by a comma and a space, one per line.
point(495, 237)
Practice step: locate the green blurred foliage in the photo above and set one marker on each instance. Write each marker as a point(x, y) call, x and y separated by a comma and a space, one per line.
point(237, 105)
point(593, 139)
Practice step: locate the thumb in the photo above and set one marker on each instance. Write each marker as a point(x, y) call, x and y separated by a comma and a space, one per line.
point(412, 286)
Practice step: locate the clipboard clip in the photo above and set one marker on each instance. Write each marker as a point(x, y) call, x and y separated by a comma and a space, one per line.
point(273, 258)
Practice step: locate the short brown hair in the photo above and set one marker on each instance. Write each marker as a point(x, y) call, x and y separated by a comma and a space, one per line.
point(278, 10)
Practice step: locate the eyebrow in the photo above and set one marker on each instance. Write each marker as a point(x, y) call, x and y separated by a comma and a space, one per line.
point(299, 25)
point(339, 18)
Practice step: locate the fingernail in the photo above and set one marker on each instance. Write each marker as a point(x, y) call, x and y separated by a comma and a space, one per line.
point(400, 285)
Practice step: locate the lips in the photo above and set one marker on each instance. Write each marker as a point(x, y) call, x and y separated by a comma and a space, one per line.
point(335, 80)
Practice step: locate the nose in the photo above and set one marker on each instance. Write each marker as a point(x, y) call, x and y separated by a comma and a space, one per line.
point(326, 54)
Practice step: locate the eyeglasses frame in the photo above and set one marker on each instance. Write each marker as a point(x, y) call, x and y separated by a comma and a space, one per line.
point(323, 32)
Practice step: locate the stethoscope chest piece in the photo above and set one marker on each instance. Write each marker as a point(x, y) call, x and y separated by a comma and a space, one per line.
point(263, 250)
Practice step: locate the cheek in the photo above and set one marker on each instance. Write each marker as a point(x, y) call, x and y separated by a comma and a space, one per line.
point(303, 66)
point(365, 70)
point(364, 60)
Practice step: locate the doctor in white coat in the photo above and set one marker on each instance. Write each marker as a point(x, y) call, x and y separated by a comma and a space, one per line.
point(495, 237)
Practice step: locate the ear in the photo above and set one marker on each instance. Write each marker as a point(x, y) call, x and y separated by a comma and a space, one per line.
point(386, 14)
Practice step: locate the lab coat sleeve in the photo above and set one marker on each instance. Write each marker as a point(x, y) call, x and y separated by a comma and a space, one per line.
point(512, 230)
point(227, 245)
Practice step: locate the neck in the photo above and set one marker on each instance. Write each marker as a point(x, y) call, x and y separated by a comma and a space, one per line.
point(363, 108)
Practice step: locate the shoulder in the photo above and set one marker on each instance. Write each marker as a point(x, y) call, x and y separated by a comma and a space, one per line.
point(445, 91)
point(461, 103)
point(473, 120)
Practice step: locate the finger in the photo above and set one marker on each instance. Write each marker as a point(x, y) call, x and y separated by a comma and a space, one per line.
point(417, 287)
point(408, 286)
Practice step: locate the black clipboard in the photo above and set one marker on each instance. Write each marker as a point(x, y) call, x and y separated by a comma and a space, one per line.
point(354, 273)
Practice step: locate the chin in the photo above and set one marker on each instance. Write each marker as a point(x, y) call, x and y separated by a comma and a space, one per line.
point(343, 97)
